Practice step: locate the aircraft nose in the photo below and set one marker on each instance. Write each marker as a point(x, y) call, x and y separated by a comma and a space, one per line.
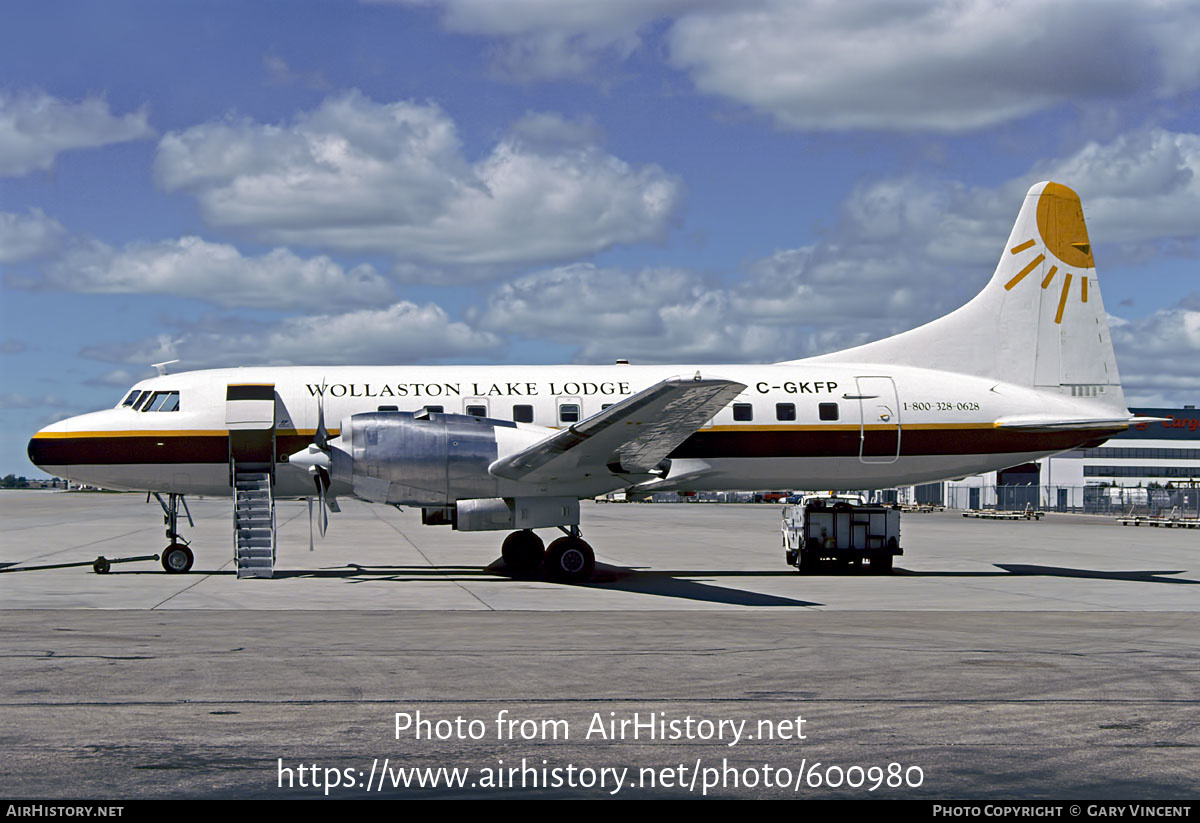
point(45, 447)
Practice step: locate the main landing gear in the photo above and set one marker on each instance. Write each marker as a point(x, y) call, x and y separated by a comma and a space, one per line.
point(523, 552)
point(177, 558)
point(568, 560)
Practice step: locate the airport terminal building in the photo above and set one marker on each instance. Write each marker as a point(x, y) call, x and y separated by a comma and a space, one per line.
point(1152, 467)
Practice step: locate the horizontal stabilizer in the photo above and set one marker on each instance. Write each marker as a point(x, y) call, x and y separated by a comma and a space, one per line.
point(1031, 422)
point(630, 437)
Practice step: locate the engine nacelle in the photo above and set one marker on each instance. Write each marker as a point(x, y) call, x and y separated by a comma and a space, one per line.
point(423, 458)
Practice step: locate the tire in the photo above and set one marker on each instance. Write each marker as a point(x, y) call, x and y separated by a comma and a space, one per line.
point(809, 562)
point(523, 552)
point(101, 566)
point(881, 562)
point(570, 560)
point(177, 559)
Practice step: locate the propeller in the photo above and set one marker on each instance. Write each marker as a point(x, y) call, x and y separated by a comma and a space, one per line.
point(317, 457)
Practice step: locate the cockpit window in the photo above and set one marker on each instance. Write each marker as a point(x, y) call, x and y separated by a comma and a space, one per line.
point(142, 398)
point(165, 401)
point(133, 395)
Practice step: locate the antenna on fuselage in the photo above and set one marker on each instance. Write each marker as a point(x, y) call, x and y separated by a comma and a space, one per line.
point(161, 368)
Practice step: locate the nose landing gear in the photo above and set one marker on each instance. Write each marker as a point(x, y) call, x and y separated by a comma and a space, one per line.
point(177, 558)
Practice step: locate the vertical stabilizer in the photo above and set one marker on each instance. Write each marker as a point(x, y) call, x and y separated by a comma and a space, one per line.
point(1040, 320)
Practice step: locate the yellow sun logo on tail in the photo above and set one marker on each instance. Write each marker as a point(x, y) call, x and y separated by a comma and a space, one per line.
point(1064, 235)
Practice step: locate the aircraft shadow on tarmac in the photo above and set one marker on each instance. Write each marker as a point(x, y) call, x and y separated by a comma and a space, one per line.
point(675, 583)
point(1022, 570)
point(661, 583)
point(678, 583)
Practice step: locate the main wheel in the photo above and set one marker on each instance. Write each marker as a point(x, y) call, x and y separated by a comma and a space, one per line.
point(177, 558)
point(570, 560)
point(523, 552)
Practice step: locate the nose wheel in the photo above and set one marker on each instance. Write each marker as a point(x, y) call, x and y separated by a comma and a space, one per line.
point(177, 558)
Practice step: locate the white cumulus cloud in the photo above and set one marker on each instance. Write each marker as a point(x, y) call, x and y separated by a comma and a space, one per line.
point(26, 236)
point(900, 252)
point(35, 128)
point(550, 39)
point(214, 272)
point(356, 175)
point(930, 65)
point(654, 315)
point(402, 332)
point(1143, 186)
point(1159, 355)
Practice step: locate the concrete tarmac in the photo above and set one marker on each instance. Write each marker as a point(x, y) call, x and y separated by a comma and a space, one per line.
point(1004, 660)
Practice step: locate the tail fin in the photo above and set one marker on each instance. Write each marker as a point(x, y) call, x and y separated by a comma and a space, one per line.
point(1039, 321)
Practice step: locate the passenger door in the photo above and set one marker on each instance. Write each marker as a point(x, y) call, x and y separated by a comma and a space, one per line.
point(879, 419)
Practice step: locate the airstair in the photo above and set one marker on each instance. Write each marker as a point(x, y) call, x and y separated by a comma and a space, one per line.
point(250, 417)
point(253, 522)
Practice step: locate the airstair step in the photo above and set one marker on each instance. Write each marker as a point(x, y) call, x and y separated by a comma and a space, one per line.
point(244, 574)
point(250, 553)
point(253, 522)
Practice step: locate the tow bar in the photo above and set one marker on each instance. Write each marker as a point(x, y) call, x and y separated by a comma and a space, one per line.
point(100, 565)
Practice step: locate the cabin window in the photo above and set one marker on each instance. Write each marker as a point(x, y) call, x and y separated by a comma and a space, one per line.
point(477, 411)
point(568, 413)
point(743, 412)
point(604, 406)
point(785, 411)
point(828, 411)
point(522, 414)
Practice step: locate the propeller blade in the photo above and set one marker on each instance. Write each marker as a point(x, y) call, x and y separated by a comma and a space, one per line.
point(317, 458)
point(321, 440)
point(321, 481)
point(310, 525)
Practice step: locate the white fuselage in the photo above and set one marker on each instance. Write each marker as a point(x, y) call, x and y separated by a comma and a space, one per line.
point(798, 425)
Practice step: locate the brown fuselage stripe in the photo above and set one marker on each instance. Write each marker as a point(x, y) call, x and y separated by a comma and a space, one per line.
point(94, 449)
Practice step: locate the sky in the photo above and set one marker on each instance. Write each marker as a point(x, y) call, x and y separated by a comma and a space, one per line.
point(569, 181)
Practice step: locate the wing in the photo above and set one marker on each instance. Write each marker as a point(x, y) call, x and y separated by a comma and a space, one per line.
point(630, 437)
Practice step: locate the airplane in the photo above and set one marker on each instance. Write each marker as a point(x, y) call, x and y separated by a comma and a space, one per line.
point(1023, 370)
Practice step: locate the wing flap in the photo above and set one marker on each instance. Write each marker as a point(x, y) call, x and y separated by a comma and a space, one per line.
point(630, 437)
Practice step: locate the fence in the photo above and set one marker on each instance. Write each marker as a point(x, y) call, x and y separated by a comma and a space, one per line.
point(1114, 500)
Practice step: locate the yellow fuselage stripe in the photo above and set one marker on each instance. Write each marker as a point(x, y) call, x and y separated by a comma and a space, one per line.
point(851, 427)
point(167, 433)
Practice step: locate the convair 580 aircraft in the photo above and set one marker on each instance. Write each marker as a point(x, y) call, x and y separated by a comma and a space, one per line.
point(1024, 370)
